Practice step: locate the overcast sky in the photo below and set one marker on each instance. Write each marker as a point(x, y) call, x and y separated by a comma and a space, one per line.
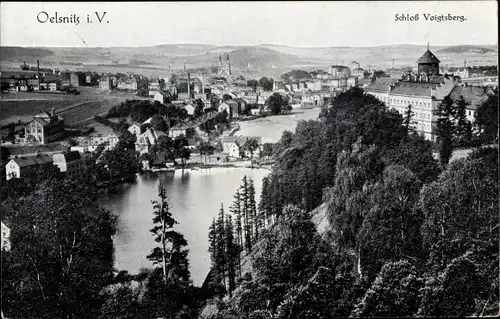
point(305, 24)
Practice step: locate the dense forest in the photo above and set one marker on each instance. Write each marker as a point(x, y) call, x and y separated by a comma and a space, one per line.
point(405, 235)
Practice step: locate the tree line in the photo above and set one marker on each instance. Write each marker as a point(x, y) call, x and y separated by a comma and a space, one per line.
point(402, 236)
point(231, 236)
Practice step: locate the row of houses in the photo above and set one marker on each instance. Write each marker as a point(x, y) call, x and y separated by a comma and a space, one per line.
point(69, 163)
point(33, 81)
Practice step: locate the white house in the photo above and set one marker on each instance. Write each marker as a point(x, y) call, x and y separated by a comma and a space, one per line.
point(178, 130)
point(17, 167)
point(147, 139)
point(189, 108)
point(233, 146)
point(231, 107)
point(135, 129)
point(160, 97)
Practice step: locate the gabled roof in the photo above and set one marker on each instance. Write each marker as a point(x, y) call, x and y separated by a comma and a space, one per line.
point(428, 57)
point(33, 160)
point(41, 121)
point(473, 95)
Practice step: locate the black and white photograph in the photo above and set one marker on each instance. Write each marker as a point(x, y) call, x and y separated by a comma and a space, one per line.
point(264, 160)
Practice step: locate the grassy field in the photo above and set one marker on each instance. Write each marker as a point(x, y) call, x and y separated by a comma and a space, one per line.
point(75, 109)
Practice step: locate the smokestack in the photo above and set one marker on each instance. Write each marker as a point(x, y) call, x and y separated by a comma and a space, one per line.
point(465, 64)
point(203, 83)
point(189, 85)
point(393, 64)
point(38, 72)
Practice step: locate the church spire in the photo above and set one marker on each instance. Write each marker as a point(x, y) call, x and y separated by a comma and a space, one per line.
point(427, 45)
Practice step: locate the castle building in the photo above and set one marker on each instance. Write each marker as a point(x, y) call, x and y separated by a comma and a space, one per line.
point(423, 92)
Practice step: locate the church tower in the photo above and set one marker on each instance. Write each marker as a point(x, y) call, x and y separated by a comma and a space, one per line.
point(219, 69)
point(228, 66)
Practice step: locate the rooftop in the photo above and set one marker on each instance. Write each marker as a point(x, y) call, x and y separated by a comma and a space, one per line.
point(33, 160)
point(428, 57)
point(414, 88)
point(473, 95)
point(381, 85)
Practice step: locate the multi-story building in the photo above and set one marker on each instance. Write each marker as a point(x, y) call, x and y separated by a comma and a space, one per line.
point(54, 85)
point(105, 83)
point(44, 128)
point(339, 71)
point(423, 91)
point(70, 163)
point(352, 81)
point(77, 79)
point(147, 139)
point(129, 84)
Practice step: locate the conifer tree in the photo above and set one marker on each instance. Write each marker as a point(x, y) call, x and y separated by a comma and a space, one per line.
point(238, 230)
point(463, 132)
point(252, 207)
point(232, 253)
point(445, 129)
point(212, 248)
point(221, 246)
point(171, 253)
point(408, 119)
point(245, 211)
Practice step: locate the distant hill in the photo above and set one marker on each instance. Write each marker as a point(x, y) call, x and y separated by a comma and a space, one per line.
point(261, 58)
point(468, 49)
point(17, 53)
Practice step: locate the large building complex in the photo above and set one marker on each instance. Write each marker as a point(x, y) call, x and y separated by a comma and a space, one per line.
point(423, 91)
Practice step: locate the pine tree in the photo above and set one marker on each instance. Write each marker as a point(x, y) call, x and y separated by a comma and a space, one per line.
point(236, 211)
point(408, 119)
point(221, 247)
point(247, 226)
point(252, 207)
point(212, 248)
point(171, 253)
point(463, 132)
point(445, 128)
point(232, 253)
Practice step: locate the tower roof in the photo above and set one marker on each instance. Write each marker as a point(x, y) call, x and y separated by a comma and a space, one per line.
point(428, 57)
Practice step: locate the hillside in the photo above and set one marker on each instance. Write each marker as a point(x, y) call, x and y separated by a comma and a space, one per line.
point(469, 49)
point(261, 58)
point(21, 53)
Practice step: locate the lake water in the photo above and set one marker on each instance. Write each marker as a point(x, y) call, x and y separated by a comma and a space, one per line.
point(270, 128)
point(195, 198)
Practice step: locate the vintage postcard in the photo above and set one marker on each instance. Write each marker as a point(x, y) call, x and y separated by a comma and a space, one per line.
point(249, 159)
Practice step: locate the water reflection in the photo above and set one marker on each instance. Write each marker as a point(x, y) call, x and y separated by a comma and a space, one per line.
point(195, 198)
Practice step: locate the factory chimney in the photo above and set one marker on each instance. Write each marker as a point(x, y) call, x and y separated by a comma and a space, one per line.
point(38, 72)
point(203, 83)
point(189, 85)
point(393, 64)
